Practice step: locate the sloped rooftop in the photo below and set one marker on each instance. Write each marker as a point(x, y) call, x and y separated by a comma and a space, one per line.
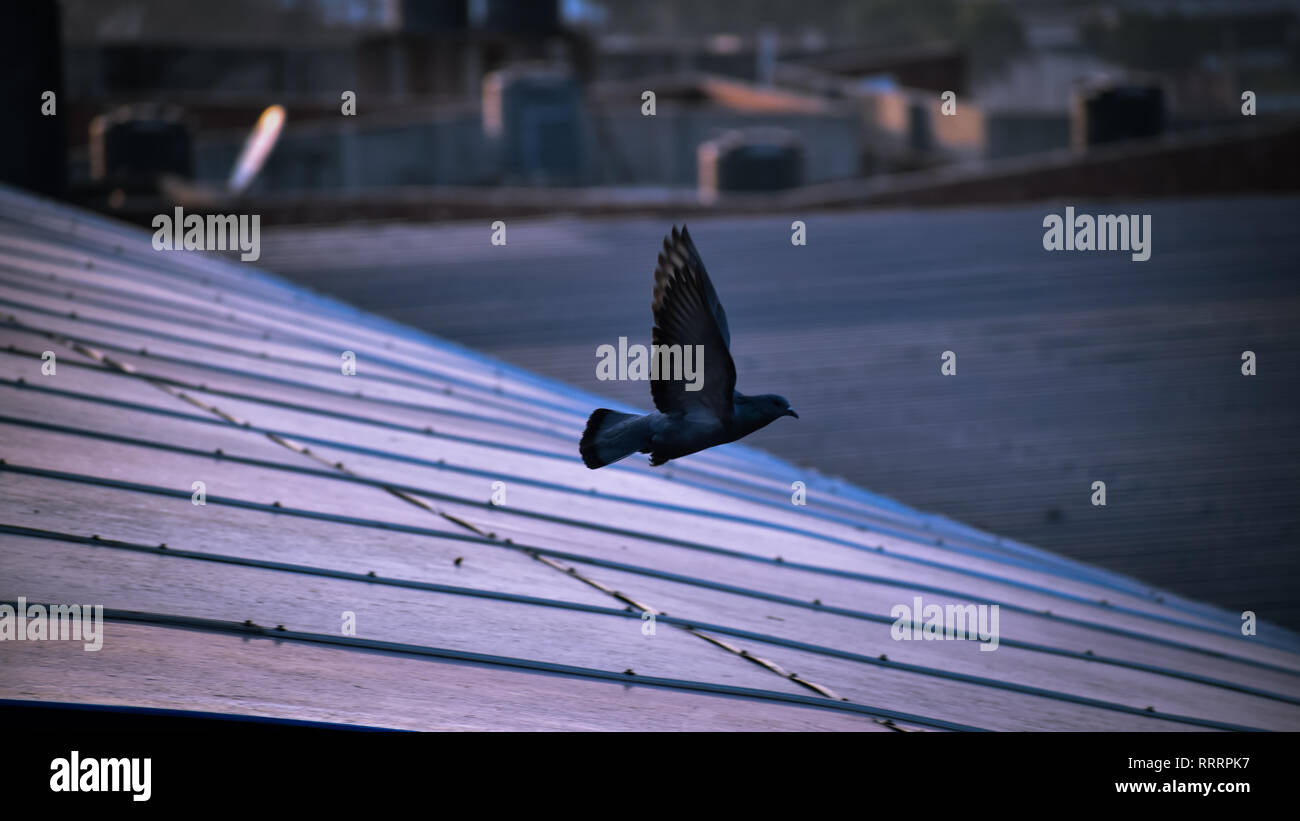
point(371, 494)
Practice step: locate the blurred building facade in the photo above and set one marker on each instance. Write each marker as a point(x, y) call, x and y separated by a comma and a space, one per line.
point(494, 92)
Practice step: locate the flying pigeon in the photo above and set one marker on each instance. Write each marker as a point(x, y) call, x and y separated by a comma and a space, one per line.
point(687, 312)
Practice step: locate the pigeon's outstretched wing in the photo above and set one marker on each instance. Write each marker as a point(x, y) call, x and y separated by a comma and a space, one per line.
point(687, 312)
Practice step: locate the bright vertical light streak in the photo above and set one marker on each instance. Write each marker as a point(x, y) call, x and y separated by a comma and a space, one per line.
point(257, 148)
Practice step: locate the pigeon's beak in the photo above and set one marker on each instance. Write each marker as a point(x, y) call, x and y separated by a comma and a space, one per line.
point(791, 412)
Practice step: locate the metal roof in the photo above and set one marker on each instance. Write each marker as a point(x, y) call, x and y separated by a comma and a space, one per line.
point(372, 494)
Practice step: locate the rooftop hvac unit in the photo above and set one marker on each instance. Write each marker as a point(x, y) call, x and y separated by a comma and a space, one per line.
point(1113, 112)
point(759, 160)
point(135, 146)
point(535, 115)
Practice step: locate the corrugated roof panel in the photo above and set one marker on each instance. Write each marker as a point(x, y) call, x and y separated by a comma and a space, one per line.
point(210, 671)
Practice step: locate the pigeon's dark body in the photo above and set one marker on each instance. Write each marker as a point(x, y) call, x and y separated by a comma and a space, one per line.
point(687, 312)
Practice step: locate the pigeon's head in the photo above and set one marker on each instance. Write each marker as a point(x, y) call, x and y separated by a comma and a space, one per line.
point(773, 407)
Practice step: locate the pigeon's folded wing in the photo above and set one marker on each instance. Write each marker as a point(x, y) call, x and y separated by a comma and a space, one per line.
point(687, 312)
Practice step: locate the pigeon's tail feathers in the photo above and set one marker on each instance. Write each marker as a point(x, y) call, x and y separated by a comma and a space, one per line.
point(611, 436)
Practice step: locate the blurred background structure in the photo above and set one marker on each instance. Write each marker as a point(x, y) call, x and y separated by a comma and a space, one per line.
point(763, 113)
point(470, 94)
